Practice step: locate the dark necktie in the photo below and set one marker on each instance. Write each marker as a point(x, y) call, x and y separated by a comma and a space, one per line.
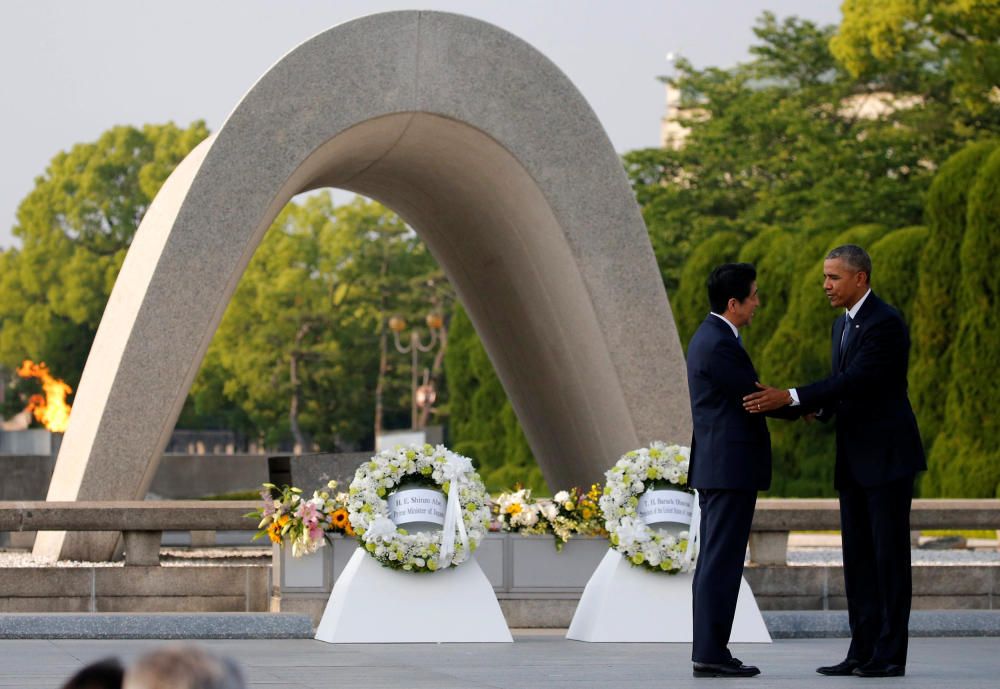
point(844, 335)
point(739, 341)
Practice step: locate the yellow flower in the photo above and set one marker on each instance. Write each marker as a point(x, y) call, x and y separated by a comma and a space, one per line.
point(514, 508)
point(339, 519)
point(274, 532)
point(587, 514)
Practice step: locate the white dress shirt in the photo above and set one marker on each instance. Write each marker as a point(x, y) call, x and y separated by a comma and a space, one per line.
point(736, 333)
point(852, 314)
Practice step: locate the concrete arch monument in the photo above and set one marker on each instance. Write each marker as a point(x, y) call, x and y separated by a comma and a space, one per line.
point(492, 155)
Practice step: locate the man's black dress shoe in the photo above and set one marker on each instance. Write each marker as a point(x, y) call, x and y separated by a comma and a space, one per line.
point(843, 668)
point(880, 670)
point(733, 668)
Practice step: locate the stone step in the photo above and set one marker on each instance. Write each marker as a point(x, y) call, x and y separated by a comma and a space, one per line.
point(219, 625)
point(820, 624)
point(799, 624)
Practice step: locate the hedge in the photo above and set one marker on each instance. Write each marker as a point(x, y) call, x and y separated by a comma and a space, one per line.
point(935, 310)
point(965, 457)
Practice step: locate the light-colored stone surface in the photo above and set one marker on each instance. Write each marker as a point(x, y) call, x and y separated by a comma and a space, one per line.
point(132, 515)
point(142, 548)
point(769, 547)
point(111, 625)
point(492, 155)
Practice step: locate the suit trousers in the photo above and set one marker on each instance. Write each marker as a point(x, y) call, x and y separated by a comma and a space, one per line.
point(875, 524)
point(726, 516)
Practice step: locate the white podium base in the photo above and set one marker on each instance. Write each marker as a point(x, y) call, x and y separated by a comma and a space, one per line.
point(626, 603)
point(374, 604)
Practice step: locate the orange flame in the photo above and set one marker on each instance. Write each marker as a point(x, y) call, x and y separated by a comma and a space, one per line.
point(51, 410)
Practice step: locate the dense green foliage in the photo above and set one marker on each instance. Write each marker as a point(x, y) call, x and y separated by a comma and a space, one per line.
point(965, 458)
point(75, 227)
point(936, 308)
point(299, 347)
point(897, 256)
point(788, 151)
point(296, 359)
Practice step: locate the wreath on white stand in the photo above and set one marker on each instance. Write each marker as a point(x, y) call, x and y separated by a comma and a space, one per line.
point(657, 467)
point(467, 515)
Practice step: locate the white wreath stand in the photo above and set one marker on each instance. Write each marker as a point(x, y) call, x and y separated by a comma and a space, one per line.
point(374, 604)
point(626, 603)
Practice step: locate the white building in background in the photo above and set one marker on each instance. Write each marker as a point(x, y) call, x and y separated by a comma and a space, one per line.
point(863, 106)
point(672, 132)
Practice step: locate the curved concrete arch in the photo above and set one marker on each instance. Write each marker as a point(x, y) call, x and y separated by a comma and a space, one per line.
point(490, 153)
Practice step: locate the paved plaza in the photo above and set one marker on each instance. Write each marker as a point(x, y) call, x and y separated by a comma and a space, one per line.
point(536, 659)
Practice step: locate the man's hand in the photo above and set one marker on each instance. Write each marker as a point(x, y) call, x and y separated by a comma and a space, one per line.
point(768, 399)
point(810, 417)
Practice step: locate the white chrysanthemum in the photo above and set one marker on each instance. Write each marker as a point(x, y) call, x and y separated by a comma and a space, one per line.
point(626, 480)
point(368, 508)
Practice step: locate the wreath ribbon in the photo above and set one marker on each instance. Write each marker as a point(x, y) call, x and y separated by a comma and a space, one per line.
point(453, 515)
point(694, 532)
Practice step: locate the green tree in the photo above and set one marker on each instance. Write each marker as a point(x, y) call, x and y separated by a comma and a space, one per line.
point(965, 459)
point(303, 345)
point(778, 142)
point(893, 260)
point(948, 50)
point(75, 227)
point(936, 310)
point(779, 260)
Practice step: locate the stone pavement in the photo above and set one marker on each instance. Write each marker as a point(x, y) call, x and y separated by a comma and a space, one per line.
point(536, 659)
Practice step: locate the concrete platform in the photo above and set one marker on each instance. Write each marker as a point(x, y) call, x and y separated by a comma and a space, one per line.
point(163, 625)
point(534, 661)
point(819, 624)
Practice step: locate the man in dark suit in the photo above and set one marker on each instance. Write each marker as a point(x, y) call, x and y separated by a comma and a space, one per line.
point(730, 462)
point(878, 456)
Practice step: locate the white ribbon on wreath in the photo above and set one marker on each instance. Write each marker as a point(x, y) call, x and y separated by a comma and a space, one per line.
point(694, 533)
point(456, 472)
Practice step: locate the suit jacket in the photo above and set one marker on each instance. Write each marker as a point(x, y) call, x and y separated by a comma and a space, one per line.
point(730, 448)
point(877, 436)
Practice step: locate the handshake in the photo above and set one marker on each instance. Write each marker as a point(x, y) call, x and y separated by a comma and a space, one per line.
point(768, 399)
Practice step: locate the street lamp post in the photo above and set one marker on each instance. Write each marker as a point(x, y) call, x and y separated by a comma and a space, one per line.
point(420, 395)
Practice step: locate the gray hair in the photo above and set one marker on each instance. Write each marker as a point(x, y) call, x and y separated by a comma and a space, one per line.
point(183, 667)
point(856, 258)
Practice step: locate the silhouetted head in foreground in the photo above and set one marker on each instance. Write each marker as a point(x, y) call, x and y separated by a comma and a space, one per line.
point(104, 674)
point(183, 667)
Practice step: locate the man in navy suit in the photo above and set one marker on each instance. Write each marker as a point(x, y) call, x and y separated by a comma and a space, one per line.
point(730, 462)
point(878, 456)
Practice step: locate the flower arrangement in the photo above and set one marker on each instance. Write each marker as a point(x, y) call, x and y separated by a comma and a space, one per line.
point(568, 513)
point(656, 467)
point(467, 517)
point(286, 517)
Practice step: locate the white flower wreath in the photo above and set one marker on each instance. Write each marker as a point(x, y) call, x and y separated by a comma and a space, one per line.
point(659, 465)
point(468, 513)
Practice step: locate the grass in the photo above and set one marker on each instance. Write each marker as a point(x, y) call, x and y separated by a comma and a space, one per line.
point(235, 495)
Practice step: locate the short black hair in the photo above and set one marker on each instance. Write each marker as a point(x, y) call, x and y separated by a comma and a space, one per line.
point(730, 281)
point(104, 674)
point(856, 258)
